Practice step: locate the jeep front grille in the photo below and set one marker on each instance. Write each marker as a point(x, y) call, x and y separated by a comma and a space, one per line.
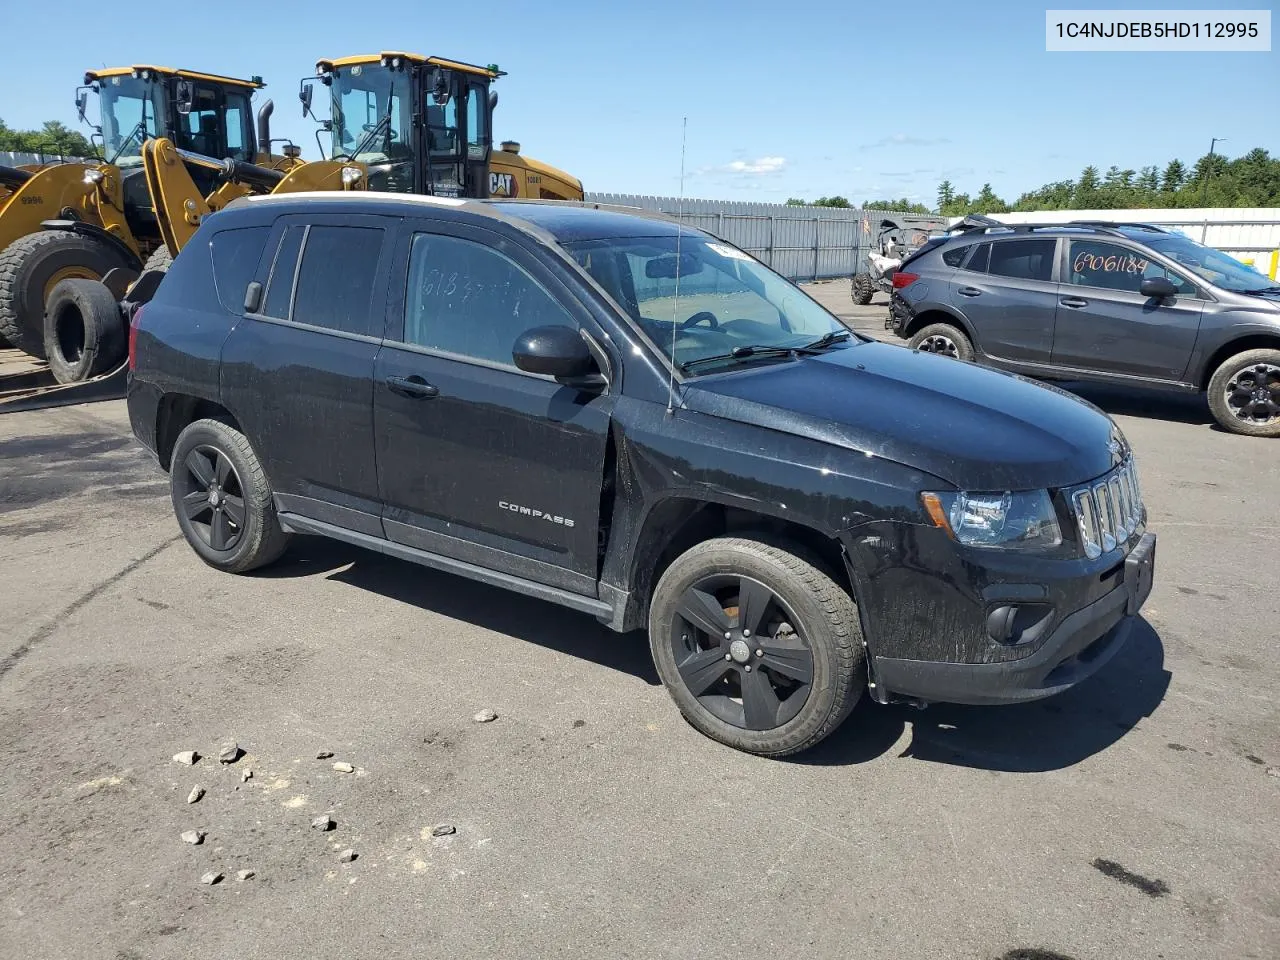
point(1109, 510)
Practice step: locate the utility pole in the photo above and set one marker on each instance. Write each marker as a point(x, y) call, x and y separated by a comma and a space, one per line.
point(1208, 170)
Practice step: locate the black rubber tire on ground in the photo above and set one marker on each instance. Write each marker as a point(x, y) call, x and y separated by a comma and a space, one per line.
point(159, 259)
point(1251, 363)
point(827, 620)
point(260, 539)
point(944, 340)
point(29, 264)
point(863, 289)
point(84, 331)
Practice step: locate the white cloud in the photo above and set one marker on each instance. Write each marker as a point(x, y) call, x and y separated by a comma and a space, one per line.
point(904, 140)
point(757, 167)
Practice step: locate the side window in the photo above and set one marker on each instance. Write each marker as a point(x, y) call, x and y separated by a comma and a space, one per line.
point(477, 121)
point(238, 130)
point(335, 278)
point(981, 257)
point(283, 267)
point(204, 126)
point(954, 257)
point(467, 299)
point(1023, 259)
point(1095, 263)
point(235, 258)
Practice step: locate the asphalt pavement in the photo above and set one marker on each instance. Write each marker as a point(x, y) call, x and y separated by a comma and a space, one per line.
point(1137, 816)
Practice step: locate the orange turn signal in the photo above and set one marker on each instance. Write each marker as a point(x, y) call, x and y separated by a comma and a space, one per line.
point(937, 513)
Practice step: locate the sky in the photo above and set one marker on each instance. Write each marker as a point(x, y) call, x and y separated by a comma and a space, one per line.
point(798, 99)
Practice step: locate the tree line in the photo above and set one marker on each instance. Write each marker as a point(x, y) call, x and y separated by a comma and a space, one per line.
point(1250, 180)
point(53, 137)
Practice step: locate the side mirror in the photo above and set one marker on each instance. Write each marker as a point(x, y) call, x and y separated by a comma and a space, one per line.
point(1158, 288)
point(185, 96)
point(558, 352)
point(252, 297)
point(440, 87)
point(304, 94)
point(82, 102)
point(493, 100)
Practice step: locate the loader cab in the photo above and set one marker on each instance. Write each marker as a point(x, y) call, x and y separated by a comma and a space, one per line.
point(419, 124)
point(201, 112)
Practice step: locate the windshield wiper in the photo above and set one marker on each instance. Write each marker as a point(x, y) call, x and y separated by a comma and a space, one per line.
point(827, 339)
point(1271, 289)
point(744, 353)
point(124, 144)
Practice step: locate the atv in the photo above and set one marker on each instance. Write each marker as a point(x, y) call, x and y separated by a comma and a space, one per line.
point(897, 239)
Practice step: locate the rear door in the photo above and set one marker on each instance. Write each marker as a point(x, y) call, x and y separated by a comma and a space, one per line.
point(298, 372)
point(1007, 290)
point(1106, 325)
point(478, 460)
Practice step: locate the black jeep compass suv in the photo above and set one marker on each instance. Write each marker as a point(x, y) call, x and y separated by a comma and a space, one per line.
point(643, 423)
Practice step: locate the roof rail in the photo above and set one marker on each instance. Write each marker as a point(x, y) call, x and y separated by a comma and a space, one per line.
point(975, 223)
point(1154, 228)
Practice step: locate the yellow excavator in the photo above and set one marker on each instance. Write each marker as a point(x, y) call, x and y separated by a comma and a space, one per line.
point(175, 144)
point(424, 125)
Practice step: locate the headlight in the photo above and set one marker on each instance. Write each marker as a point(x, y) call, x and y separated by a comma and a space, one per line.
point(351, 175)
point(1024, 520)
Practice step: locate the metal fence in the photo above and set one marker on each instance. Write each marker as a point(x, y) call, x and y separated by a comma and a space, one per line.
point(802, 243)
point(10, 159)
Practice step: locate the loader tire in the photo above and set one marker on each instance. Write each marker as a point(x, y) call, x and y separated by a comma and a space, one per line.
point(863, 289)
point(84, 331)
point(32, 266)
point(159, 260)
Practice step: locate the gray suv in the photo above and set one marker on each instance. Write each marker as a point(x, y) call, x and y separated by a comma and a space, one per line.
point(1122, 303)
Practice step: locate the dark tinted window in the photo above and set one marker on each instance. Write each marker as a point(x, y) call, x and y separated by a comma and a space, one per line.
point(1094, 263)
point(955, 256)
point(981, 255)
point(467, 299)
point(235, 258)
point(335, 281)
point(280, 284)
point(1022, 259)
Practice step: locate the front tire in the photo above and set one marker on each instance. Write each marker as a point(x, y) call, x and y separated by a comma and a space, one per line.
point(863, 289)
point(1244, 393)
point(32, 266)
point(759, 647)
point(222, 499)
point(944, 340)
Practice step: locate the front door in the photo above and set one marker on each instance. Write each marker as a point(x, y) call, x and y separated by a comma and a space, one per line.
point(478, 460)
point(1007, 291)
point(1106, 325)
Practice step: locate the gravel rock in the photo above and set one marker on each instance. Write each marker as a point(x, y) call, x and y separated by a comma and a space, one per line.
point(246, 776)
point(230, 752)
point(245, 875)
point(195, 794)
point(193, 837)
point(443, 829)
point(486, 716)
point(343, 767)
point(323, 823)
point(210, 878)
point(1273, 771)
point(346, 856)
point(324, 754)
point(579, 723)
point(186, 756)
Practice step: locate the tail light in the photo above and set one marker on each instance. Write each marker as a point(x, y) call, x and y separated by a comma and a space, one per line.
point(902, 280)
point(134, 323)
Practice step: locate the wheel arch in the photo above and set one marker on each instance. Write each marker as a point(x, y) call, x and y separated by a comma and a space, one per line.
point(938, 314)
point(176, 411)
point(98, 233)
point(1254, 341)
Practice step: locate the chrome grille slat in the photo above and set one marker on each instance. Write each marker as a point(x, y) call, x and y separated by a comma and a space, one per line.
point(1109, 510)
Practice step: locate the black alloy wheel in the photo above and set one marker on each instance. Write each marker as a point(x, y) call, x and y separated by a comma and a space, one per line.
point(739, 652)
point(212, 497)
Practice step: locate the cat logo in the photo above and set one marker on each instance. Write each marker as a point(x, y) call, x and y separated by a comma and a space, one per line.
point(503, 185)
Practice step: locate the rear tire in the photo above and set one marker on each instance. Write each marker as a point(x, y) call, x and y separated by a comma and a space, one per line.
point(84, 331)
point(31, 266)
point(742, 689)
point(222, 499)
point(1244, 390)
point(863, 289)
point(944, 340)
point(159, 260)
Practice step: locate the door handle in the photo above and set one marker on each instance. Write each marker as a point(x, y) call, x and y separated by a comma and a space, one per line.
point(969, 292)
point(1074, 302)
point(413, 387)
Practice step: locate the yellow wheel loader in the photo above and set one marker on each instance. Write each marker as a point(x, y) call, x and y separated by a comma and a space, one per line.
point(177, 145)
point(424, 125)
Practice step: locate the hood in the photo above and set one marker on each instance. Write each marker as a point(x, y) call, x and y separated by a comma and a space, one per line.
point(977, 428)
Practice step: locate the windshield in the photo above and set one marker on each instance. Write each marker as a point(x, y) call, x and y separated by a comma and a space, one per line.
point(132, 110)
point(371, 114)
point(727, 301)
point(1212, 265)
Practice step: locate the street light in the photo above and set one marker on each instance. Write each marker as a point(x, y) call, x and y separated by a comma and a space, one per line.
point(1208, 170)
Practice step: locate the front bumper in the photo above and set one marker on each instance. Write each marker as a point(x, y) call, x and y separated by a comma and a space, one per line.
point(1077, 648)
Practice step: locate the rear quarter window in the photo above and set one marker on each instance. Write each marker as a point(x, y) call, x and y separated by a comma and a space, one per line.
point(235, 256)
point(953, 258)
